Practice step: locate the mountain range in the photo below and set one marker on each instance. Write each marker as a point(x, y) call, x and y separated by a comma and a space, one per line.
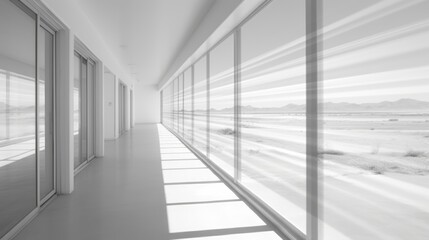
point(401, 105)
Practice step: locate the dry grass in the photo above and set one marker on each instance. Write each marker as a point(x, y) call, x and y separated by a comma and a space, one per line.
point(227, 131)
point(331, 152)
point(413, 153)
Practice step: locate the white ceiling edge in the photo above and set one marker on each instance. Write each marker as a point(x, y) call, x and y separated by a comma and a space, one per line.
point(69, 13)
point(221, 20)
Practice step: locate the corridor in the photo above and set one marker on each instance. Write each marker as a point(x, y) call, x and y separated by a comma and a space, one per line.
point(148, 186)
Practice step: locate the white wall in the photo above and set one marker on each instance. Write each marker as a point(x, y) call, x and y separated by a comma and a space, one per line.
point(69, 12)
point(109, 106)
point(146, 104)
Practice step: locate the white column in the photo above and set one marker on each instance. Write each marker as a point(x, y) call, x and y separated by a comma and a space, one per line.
point(64, 112)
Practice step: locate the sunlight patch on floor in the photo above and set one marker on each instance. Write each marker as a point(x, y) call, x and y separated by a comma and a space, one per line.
point(186, 164)
point(211, 216)
point(200, 192)
point(268, 235)
point(188, 176)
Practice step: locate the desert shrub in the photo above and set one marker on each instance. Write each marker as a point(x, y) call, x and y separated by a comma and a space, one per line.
point(375, 169)
point(413, 153)
point(253, 151)
point(226, 131)
point(331, 152)
point(375, 149)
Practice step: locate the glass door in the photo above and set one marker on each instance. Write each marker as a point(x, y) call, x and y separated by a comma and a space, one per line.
point(91, 109)
point(120, 99)
point(122, 108)
point(18, 179)
point(84, 110)
point(76, 109)
point(131, 108)
point(45, 94)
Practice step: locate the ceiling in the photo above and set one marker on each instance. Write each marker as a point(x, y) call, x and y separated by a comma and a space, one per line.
point(146, 35)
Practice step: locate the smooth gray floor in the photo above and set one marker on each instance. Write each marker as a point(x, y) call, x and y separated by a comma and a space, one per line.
point(135, 192)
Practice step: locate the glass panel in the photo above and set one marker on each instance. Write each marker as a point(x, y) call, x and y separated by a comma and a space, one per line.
point(76, 110)
point(131, 108)
point(273, 111)
point(18, 193)
point(164, 106)
point(46, 107)
point(187, 105)
point(121, 110)
point(170, 95)
point(175, 105)
point(84, 113)
point(124, 108)
point(222, 105)
point(180, 100)
point(200, 105)
point(375, 120)
point(166, 115)
point(91, 109)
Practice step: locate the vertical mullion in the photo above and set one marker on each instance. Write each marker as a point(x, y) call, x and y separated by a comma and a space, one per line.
point(208, 103)
point(161, 105)
point(87, 110)
point(54, 107)
point(237, 105)
point(177, 105)
point(171, 105)
point(37, 113)
point(183, 104)
point(7, 117)
point(192, 103)
point(312, 78)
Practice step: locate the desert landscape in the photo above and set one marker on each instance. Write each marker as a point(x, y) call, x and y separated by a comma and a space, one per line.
point(374, 164)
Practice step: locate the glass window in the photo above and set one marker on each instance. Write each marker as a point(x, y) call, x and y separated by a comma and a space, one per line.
point(45, 110)
point(164, 103)
point(200, 105)
point(375, 120)
point(175, 105)
point(187, 98)
point(91, 109)
point(273, 111)
point(180, 104)
point(169, 105)
point(18, 182)
point(76, 109)
point(222, 105)
point(84, 109)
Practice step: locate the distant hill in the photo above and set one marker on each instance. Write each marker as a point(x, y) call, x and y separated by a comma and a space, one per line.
point(3, 105)
point(401, 105)
point(404, 104)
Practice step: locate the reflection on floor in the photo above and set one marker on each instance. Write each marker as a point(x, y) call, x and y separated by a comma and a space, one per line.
point(146, 189)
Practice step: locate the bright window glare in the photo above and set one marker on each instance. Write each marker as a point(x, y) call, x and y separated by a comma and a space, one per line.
point(201, 192)
point(269, 235)
point(211, 216)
